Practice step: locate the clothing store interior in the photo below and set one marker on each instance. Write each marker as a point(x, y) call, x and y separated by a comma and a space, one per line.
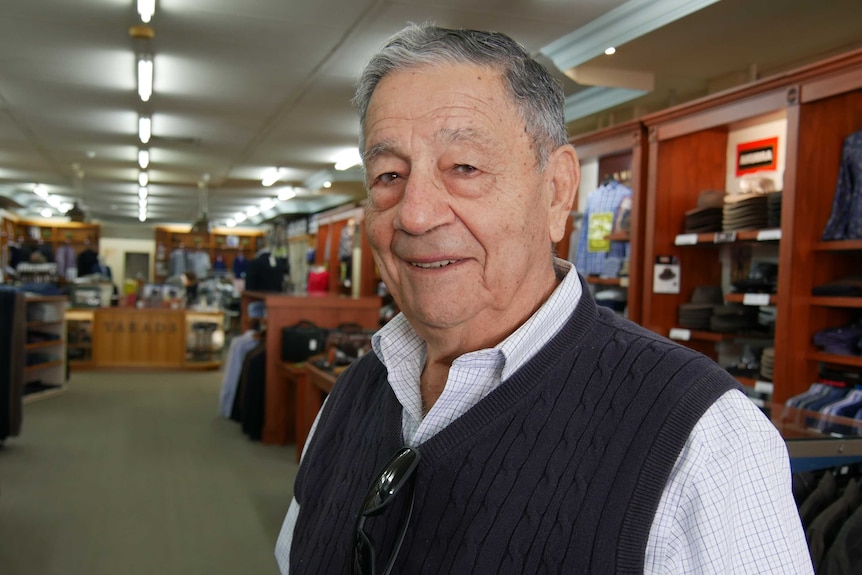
point(186, 272)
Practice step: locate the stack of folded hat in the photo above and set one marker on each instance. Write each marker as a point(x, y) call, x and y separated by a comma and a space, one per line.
point(734, 318)
point(745, 212)
point(698, 313)
point(773, 209)
point(762, 278)
point(840, 340)
point(767, 363)
point(850, 286)
point(707, 216)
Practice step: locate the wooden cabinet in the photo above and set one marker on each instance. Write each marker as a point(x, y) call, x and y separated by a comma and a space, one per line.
point(616, 150)
point(690, 151)
point(45, 349)
point(46, 237)
point(342, 248)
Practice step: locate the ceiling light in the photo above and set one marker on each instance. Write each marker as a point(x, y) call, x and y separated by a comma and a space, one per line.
point(143, 179)
point(65, 207)
point(143, 192)
point(267, 204)
point(230, 223)
point(272, 176)
point(46, 213)
point(611, 51)
point(146, 8)
point(347, 159)
point(252, 211)
point(285, 194)
point(142, 217)
point(145, 77)
point(327, 184)
point(240, 217)
point(142, 203)
point(54, 201)
point(40, 190)
point(143, 159)
point(145, 129)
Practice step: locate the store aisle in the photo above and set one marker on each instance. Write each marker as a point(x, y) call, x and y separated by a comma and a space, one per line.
point(133, 474)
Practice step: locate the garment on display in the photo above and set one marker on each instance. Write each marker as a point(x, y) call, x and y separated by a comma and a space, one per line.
point(845, 222)
point(594, 245)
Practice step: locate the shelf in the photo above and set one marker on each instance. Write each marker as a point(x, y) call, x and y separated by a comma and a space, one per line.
point(756, 299)
point(685, 334)
point(852, 360)
point(41, 344)
point(835, 301)
point(48, 391)
point(45, 365)
point(622, 282)
point(720, 238)
point(839, 245)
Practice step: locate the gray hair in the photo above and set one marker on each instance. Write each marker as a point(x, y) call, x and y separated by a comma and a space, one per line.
point(537, 96)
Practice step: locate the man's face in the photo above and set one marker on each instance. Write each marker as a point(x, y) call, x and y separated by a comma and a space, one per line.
point(459, 218)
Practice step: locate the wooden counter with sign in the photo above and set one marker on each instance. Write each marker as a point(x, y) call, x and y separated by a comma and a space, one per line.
point(157, 338)
point(282, 310)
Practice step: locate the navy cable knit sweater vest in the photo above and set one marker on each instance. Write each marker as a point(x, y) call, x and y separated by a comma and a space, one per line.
point(558, 470)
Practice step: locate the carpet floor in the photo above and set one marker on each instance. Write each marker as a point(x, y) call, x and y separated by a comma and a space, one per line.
point(135, 474)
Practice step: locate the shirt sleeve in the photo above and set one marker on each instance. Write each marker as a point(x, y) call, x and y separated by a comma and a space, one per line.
point(285, 536)
point(728, 505)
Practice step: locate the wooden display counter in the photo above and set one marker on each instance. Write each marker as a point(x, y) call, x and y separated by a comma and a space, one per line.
point(282, 310)
point(146, 338)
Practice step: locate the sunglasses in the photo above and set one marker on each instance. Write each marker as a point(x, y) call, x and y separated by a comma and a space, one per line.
point(386, 486)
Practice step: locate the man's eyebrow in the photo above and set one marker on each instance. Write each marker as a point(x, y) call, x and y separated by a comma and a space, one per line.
point(381, 148)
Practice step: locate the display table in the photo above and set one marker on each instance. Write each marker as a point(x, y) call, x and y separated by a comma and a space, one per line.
point(119, 337)
point(312, 384)
point(282, 310)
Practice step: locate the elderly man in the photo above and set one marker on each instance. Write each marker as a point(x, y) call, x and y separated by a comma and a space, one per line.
point(505, 423)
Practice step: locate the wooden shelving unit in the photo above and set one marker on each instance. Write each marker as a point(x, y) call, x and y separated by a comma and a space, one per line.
point(688, 148)
point(45, 370)
point(226, 245)
point(624, 145)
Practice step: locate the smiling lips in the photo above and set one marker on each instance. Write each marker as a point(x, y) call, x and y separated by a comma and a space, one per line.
point(432, 265)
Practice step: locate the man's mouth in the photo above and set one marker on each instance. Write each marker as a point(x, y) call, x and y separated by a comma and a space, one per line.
point(433, 265)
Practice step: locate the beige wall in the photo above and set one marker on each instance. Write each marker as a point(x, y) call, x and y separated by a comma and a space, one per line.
point(114, 251)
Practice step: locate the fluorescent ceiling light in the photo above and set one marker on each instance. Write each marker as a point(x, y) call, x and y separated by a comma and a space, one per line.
point(145, 129)
point(327, 184)
point(267, 204)
point(143, 179)
point(240, 217)
point(142, 217)
point(347, 159)
point(230, 223)
point(46, 213)
point(272, 176)
point(610, 51)
point(65, 207)
point(40, 190)
point(145, 77)
point(143, 159)
point(146, 8)
point(54, 201)
point(252, 211)
point(285, 194)
point(143, 192)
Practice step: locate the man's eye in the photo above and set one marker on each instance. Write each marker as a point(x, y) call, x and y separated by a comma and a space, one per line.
point(465, 169)
point(387, 178)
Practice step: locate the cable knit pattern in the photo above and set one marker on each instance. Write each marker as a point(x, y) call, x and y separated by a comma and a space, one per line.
point(558, 470)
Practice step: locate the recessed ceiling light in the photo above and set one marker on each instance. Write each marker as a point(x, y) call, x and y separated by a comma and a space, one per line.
point(610, 51)
point(327, 184)
point(240, 217)
point(230, 223)
point(252, 211)
point(272, 176)
point(46, 213)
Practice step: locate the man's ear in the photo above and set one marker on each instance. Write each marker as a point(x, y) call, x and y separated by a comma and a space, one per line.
point(564, 173)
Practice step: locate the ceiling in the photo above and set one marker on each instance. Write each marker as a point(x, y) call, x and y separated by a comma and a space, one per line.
point(242, 87)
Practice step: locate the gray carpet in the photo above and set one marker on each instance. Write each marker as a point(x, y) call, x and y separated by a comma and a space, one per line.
point(133, 474)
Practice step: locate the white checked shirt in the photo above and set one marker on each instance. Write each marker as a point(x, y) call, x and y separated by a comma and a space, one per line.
point(727, 506)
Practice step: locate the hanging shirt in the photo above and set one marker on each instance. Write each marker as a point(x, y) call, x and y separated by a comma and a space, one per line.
point(598, 223)
point(845, 223)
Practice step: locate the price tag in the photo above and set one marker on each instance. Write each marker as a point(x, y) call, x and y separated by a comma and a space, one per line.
point(685, 240)
point(724, 237)
point(624, 281)
point(680, 334)
point(755, 299)
point(769, 235)
point(763, 386)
